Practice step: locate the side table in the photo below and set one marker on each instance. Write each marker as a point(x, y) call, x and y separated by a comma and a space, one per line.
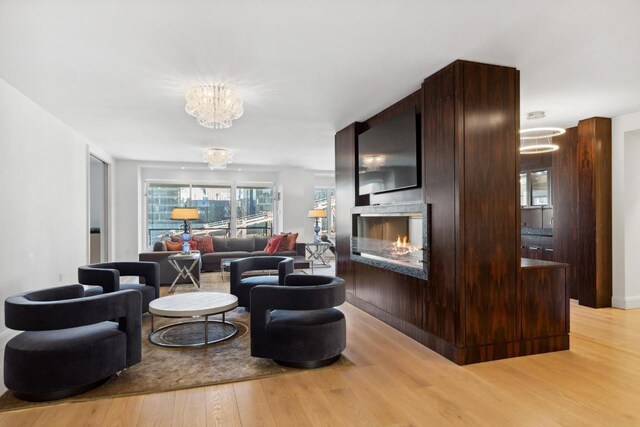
point(184, 270)
point(315, 253)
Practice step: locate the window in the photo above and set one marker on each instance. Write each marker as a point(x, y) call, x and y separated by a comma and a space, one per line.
point(540, 188)
point(535, 188)
point(325, 198)
point(254, 211)
point(213, 203)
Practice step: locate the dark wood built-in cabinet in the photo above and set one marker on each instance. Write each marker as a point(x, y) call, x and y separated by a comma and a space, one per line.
point(545, 301)
point(472, 306)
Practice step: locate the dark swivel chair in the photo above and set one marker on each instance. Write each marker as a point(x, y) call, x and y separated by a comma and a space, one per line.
point(241, 286)
point(70, 344)
point(107, 275)
point(297, 325)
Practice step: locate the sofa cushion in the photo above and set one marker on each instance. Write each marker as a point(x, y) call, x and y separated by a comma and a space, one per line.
point(273, 244)
point(288, 242)
point(241, 244)
point(261, 242)
point(220, 244)
point(204, 244)
point(159, 246)
point(173, 246)
point(260, 280)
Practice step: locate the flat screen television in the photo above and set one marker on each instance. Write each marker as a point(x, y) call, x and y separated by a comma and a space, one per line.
point(388, 155)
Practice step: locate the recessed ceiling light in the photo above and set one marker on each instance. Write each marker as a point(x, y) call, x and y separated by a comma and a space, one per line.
point(182, 167)
point(239, 170)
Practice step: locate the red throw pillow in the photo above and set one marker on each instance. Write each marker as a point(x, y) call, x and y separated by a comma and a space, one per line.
point(205, 244)
point(273, 244)
point(288, 241)
point(193, 245)
point(173, 246)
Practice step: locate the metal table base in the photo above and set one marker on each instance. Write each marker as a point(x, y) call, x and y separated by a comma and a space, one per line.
point(155, 335)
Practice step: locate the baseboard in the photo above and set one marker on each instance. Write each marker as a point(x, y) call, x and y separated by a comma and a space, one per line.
point(5, 335)
point(626, 303)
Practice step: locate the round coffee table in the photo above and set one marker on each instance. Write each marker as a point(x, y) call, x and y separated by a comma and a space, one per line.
point(193, 304)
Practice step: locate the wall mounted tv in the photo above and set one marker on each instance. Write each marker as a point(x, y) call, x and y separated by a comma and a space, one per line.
point(389, 155)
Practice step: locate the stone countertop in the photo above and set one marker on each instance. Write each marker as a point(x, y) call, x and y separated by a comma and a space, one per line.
point(528, 263)
point(529, 231)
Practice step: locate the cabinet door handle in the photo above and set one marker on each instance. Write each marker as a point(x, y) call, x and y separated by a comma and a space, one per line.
point(534, 248)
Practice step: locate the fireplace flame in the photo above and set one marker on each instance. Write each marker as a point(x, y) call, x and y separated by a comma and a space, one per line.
point(402, 241)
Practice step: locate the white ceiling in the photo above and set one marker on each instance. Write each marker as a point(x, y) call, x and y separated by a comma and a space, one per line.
point(116, 71)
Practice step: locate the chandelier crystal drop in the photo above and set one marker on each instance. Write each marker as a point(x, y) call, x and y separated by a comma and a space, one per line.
point(218, 158)
point(215, 105)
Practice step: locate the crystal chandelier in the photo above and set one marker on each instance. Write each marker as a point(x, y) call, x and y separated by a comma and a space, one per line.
point(218, 158)
point(214, 105)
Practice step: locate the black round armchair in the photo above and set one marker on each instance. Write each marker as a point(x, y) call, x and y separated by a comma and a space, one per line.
point(296, 324)
point(107, 275)
point(71, 344)
point(241, 286)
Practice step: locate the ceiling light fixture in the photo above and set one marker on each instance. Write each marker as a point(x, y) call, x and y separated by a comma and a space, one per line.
point(214, 105)
point(539, 133)
point(218, 158)
point(538, 146)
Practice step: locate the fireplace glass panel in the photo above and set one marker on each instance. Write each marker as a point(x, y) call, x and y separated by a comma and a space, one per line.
point(397, 239)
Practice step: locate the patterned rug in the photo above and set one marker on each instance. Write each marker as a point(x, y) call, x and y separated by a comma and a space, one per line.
point(165, 369)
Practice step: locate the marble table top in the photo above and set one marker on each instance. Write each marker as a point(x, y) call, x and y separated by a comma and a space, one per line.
point(193, 304)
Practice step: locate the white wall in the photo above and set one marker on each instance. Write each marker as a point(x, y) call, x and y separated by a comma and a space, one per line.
point(43, 194)
point(295, 187)
point(296, 200)
point(626, 210)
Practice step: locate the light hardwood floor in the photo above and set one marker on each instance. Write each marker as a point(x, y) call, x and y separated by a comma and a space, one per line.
point(397, 381)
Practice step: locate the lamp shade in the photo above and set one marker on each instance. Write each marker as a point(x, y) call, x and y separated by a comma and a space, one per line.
point(181, 214)
point(317, 213)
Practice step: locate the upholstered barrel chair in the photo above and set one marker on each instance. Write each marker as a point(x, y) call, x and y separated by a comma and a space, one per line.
point(107, 276)
point(241, 286)
point(297, 324)
point(71, 343)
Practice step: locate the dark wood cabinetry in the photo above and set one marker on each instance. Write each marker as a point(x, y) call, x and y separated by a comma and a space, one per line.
point(471, 308)
point(537, 247)
point(545, 301)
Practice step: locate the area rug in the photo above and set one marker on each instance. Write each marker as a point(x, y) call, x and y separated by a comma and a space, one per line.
point(165, 369)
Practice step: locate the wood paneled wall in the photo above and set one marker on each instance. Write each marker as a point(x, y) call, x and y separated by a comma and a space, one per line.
point(594, 205)
point(565, 202)
point(487, 190)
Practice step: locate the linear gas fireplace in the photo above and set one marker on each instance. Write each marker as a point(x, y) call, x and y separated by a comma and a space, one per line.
point(393, 237)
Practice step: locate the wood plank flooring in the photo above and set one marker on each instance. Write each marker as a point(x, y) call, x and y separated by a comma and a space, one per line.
point(398, 382)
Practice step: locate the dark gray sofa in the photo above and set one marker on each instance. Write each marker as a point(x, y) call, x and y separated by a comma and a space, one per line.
point(223, 247)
